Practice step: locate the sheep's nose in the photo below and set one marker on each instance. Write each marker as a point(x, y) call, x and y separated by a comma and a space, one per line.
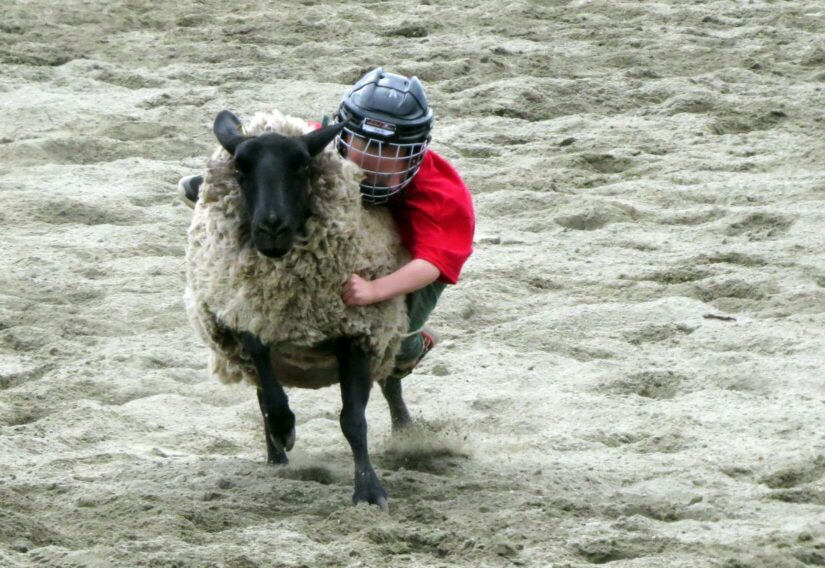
point(271, 226)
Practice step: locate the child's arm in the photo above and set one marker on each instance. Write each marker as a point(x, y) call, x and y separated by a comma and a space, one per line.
point(412, 276)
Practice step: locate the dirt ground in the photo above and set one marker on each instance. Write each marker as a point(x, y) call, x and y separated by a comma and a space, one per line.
point(632, 365)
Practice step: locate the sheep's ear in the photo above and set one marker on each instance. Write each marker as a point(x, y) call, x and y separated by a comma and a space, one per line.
point(318, 139)
point(229, 130)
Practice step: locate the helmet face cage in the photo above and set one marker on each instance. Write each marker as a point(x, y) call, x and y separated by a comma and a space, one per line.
point(395, 164)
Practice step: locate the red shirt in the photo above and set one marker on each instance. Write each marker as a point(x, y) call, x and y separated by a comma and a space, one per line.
point(435, 217)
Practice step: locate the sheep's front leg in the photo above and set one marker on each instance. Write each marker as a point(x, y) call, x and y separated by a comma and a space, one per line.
point(354, 371)
point(279, 421)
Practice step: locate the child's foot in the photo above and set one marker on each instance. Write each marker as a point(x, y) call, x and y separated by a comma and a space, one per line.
point(188, 189)
point(430, 339)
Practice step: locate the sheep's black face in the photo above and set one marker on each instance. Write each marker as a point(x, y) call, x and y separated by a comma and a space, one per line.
point(273, 172)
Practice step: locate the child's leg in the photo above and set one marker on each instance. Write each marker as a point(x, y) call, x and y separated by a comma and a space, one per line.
point(419, 306)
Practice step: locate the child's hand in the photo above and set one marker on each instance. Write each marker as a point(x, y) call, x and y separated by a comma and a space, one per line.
point(359, 292)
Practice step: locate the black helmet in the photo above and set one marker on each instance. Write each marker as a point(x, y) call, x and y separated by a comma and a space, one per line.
point(388, 118)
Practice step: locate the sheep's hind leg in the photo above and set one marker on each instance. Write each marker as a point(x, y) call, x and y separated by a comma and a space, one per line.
point(354, 370)
point(279, 421)
point(400, 416)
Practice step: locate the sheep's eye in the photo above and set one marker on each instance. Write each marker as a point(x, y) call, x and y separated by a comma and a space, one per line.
point(240, 166)
point(302, 168)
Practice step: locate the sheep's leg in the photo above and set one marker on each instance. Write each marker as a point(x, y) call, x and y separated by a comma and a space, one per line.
point(354, 371)
point(273, 454)
point(279, 421)
point(400, 416)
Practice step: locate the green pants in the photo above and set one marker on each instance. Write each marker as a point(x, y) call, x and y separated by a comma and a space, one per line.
point(419, 306)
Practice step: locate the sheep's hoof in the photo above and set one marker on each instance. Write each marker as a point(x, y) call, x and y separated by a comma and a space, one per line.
point(278, 457)
point(402, 425)
point(369, 490)
point(383, 504)
point(286, 443)
point(290, 440)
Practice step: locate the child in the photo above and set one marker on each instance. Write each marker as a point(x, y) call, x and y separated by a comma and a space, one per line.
point(387, 133)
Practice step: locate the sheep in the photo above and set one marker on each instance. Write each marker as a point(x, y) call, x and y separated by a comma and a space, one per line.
point(277, 229)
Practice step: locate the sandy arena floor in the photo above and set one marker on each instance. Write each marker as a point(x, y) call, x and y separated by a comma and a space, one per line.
point(632, 370)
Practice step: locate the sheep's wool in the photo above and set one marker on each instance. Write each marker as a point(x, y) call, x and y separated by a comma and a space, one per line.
point(293, 302)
